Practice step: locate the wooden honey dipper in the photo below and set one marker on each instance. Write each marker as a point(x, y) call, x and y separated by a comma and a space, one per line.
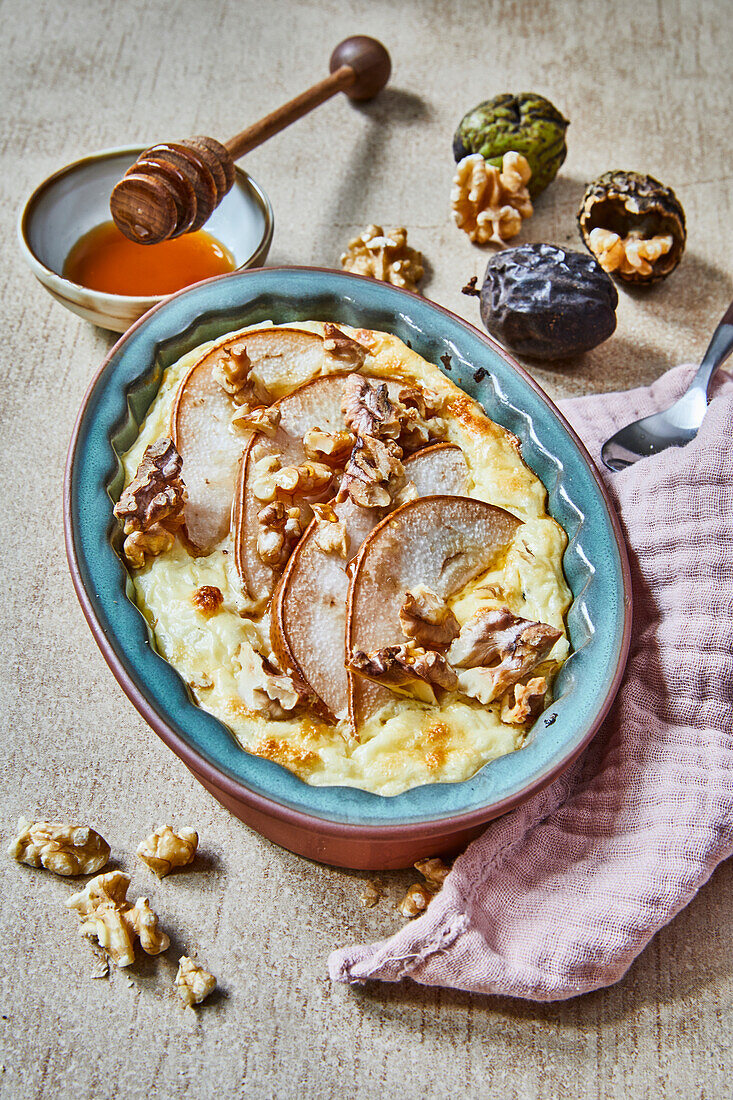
point(174, 187)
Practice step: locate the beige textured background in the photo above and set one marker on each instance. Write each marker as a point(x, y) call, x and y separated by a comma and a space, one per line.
point(641, 82)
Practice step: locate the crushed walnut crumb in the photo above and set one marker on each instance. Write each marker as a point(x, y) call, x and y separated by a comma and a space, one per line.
point(193, 983)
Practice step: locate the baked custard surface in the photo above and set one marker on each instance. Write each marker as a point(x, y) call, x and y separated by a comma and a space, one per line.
point(404, 741)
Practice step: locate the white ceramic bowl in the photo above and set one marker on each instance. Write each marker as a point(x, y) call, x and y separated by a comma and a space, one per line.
point(76, 199)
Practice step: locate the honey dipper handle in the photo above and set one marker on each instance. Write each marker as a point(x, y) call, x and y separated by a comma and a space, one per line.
point(360, 66)
point(277, 120)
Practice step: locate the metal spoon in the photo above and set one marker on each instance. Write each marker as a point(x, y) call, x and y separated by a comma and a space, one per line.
point(679, 423)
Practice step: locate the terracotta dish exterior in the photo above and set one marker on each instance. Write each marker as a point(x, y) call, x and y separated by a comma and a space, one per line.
point(340, 825)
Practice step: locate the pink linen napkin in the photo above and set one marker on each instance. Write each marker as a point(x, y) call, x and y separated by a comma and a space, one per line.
point(559, 896)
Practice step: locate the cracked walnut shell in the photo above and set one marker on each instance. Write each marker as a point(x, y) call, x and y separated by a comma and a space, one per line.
point(164, 849)
point(386, 257)
point(487, 203)
point(63, 849)
point(193, 983)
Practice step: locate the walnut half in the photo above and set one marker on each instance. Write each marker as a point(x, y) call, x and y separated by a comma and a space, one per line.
point(496, 649)
point(489, 203)
point(63, 849)
point(164, 850)
point(151, 507)
point(386, 257)
point(418, 671)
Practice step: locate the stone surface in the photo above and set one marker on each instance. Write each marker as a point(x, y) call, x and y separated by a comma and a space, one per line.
point(641, 84)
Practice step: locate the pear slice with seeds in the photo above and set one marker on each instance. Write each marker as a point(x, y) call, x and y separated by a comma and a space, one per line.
point(308, 621)
point(439, 541)
point(201, 422)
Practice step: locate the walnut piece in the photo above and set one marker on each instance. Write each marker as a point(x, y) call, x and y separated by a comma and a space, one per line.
point(263, 478)
point(63, 849)
point(347, 351)
point(193, 983)
point(523, 701)
point(233, 372)
point(114, 922)
point(627, 255)
point(415, 670)
point(493, 636)
point(388, 258)
point(417, 432)
point(333, 448)
point(151, 507)
point(372, 893)
point(207, 600)
point(279, 531)
point(426, 620)
point(261, 418)
point(416, 900)
point(264, 689)
point(487, 203)
point(434, 871)
point(164, 850)
point(330, 535)
point(368, 409)
point(303, 480)
point(373, 473)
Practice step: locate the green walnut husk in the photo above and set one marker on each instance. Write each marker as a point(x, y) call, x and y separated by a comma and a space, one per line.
point(526, 123)
point(629, 202)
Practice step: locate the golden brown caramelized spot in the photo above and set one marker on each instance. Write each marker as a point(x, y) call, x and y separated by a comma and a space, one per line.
point(63, 849)
point(261, 418)
point(207, 600)
point(405, 666)
point(368, 409)
point(164, 849)
point(347, 351)
point(372, 893)
point(427, 620)
point(284, 752)
point(416, 900)
point(489, 203)
point(333, 448)
point(193, 983)
point(496, 649)
point(114, 922)
point(151, 507)
point(633, 254)
point(523, 701)
point(386, 257)
point(373, 473)
point(279, 531)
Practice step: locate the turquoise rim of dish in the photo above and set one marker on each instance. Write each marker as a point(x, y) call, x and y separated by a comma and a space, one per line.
point(595, 561)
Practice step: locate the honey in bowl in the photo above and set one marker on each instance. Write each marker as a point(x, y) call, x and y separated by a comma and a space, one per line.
point(104, 259)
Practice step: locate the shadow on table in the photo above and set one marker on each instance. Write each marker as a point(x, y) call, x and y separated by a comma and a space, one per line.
point(677, 964)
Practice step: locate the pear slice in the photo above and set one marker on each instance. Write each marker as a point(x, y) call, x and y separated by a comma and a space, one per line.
point(438, 470)
point(201, 423)
point(315, 403)
point(308, 618)
point(439, 541)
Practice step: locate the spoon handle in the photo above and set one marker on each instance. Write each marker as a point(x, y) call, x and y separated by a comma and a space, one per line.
point(719, 348)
